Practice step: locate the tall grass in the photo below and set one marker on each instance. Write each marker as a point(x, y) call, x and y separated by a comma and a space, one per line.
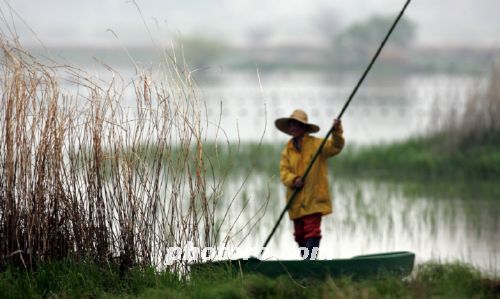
point(72, 181)
point(479, 123)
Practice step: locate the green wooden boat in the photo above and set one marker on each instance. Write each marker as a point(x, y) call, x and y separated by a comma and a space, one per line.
point(391, 263)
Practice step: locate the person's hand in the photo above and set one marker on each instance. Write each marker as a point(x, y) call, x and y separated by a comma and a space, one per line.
point(298, 182)
point(337, 126)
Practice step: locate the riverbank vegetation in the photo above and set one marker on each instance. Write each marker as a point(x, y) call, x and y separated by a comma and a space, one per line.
point(72, 185)
point(88, 280)
point(424, 158)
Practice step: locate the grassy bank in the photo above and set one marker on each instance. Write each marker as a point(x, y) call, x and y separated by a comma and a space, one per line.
point(83, 280)
point(426, 158)
point(416, 158)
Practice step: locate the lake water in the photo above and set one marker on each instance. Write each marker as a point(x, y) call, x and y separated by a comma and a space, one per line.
point(384, 109)
point(370, 217)
point(242, 106)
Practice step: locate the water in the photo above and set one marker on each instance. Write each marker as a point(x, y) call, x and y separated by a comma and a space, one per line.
point(242, 106)
point(383, 110)
point(374, 216)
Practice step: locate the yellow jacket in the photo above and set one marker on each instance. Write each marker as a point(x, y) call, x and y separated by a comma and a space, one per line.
point(314, 197)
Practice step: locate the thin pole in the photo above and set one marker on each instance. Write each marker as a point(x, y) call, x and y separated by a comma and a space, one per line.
point(367, 70)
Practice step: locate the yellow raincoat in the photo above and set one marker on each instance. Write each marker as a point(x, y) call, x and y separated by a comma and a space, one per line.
point(314, 197)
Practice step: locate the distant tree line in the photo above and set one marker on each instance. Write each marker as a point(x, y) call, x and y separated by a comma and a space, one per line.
point(358, 42)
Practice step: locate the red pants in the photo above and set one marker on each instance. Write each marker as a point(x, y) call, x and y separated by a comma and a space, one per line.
point(307, 227)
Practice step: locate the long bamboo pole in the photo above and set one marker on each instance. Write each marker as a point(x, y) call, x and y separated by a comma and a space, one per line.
point(360, 81)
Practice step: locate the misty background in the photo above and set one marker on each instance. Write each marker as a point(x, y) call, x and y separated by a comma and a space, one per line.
point(256, 61)
point(307, 53)
point(434, 36)
point(63, 22)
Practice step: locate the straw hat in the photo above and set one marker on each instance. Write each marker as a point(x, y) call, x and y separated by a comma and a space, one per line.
point(298, 115)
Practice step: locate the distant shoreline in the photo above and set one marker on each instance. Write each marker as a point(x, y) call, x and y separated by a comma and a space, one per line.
point(419, 59)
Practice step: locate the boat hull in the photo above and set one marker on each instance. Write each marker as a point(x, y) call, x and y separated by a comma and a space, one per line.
point(391, 263)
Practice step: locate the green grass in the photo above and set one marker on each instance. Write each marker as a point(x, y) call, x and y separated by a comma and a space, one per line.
point(448, 188)
point(80, 280)
point(219, 158)
point(424, 157)
point(89, 280)
point(241, 158)
point(420, 157)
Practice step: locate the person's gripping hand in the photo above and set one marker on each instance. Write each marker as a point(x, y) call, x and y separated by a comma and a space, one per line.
point(298, 182)
point(337, 126)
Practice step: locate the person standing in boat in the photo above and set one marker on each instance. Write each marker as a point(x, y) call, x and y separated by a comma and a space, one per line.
point(313, 200)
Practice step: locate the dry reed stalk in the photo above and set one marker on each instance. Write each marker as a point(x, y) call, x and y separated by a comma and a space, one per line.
point(74, 179)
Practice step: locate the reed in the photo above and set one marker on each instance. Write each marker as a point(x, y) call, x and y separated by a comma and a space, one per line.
point(73, 180)
point(478, 123)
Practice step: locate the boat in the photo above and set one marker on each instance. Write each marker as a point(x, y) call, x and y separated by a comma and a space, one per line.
point(391, 263)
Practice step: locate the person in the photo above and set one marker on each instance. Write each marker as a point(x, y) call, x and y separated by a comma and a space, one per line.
point(313, 200)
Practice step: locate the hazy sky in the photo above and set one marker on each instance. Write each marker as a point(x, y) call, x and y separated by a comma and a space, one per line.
point(85, 22)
